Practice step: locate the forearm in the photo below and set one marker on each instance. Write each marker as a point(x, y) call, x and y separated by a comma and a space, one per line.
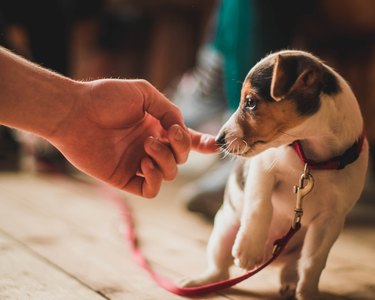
point(33, 98)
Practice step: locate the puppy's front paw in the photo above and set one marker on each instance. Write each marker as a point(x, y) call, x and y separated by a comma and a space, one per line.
point(309, 294)
point(205, 278)
point(288, 291)
point(247, 253)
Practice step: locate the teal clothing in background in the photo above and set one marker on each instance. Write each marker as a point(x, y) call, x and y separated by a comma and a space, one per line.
point(246, 31)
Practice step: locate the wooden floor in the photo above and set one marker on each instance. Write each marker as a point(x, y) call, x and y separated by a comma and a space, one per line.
point(62, 239)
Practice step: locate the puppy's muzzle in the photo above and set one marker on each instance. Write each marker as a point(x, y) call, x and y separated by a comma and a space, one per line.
point(220, 139)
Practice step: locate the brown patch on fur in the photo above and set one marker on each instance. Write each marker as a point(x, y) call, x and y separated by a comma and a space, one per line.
point(269, 120)
point(288, 75)
point(294, 75)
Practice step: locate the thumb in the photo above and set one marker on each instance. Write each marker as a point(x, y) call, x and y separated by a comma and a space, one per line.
point(203, 143)
point(157, 105)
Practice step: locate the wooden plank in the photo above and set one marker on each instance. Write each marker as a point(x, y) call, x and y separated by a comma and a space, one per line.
point(192, 257)
point(350, 269)
point(358, 241)
point(352, 252)
point(173, 239)
point(103, 265)
point(74, 206)
point(161, 219)
point(24, 275)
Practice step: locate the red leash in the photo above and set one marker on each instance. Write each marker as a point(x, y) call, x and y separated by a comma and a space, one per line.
point(168, 285)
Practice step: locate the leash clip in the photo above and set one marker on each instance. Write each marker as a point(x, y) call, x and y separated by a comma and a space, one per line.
point(306, 184)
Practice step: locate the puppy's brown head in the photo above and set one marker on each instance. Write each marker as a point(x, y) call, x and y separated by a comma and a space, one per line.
point(279, 93)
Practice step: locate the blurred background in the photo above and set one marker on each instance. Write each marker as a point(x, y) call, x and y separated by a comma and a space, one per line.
point(196, 52)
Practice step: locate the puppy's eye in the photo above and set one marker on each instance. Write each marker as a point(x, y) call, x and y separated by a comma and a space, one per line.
point(251, 103)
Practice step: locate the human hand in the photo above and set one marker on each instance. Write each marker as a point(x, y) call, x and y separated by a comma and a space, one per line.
point(127, 134)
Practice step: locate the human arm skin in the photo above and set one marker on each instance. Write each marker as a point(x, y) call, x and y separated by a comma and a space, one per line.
point(123, 132)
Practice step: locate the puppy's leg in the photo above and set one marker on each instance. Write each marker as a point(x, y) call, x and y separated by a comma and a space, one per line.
point(321, 235)
point(289, 273)
point(218, 249)
point(249, 246)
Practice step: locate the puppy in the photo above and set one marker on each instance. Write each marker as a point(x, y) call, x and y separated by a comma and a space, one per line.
point(288, 96)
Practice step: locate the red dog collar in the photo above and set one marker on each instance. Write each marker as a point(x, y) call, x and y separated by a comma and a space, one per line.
point(337, 162)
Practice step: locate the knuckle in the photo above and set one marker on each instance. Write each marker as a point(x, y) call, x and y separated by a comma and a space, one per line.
point(177, 111)
point(145, 87)
point(144, 83)
point(174, 110)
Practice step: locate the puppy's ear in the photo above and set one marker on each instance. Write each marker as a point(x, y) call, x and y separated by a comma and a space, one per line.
point(291, 74)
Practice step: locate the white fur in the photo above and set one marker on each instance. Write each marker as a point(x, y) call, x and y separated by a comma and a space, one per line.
point(264, 211)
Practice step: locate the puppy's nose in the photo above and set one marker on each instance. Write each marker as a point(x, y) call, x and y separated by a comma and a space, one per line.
point(220, 139)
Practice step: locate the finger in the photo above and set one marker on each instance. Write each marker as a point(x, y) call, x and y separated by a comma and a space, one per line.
point(147, 186)
point(203, 143)
point(152, 178)
point(157, 105)
point(180, 142)
point(163, 158)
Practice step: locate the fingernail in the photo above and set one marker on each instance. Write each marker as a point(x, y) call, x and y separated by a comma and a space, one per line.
point(155, 145)
point(178, 135)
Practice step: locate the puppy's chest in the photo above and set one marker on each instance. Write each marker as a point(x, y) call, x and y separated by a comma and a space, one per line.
point(280, 192)
point(283, 197)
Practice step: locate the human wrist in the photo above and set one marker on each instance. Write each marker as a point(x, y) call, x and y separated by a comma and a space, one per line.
point(66, 96)
point(33, 98)
point(58, 100)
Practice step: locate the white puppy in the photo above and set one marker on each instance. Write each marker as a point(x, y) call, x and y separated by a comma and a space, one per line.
point(288, 96)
